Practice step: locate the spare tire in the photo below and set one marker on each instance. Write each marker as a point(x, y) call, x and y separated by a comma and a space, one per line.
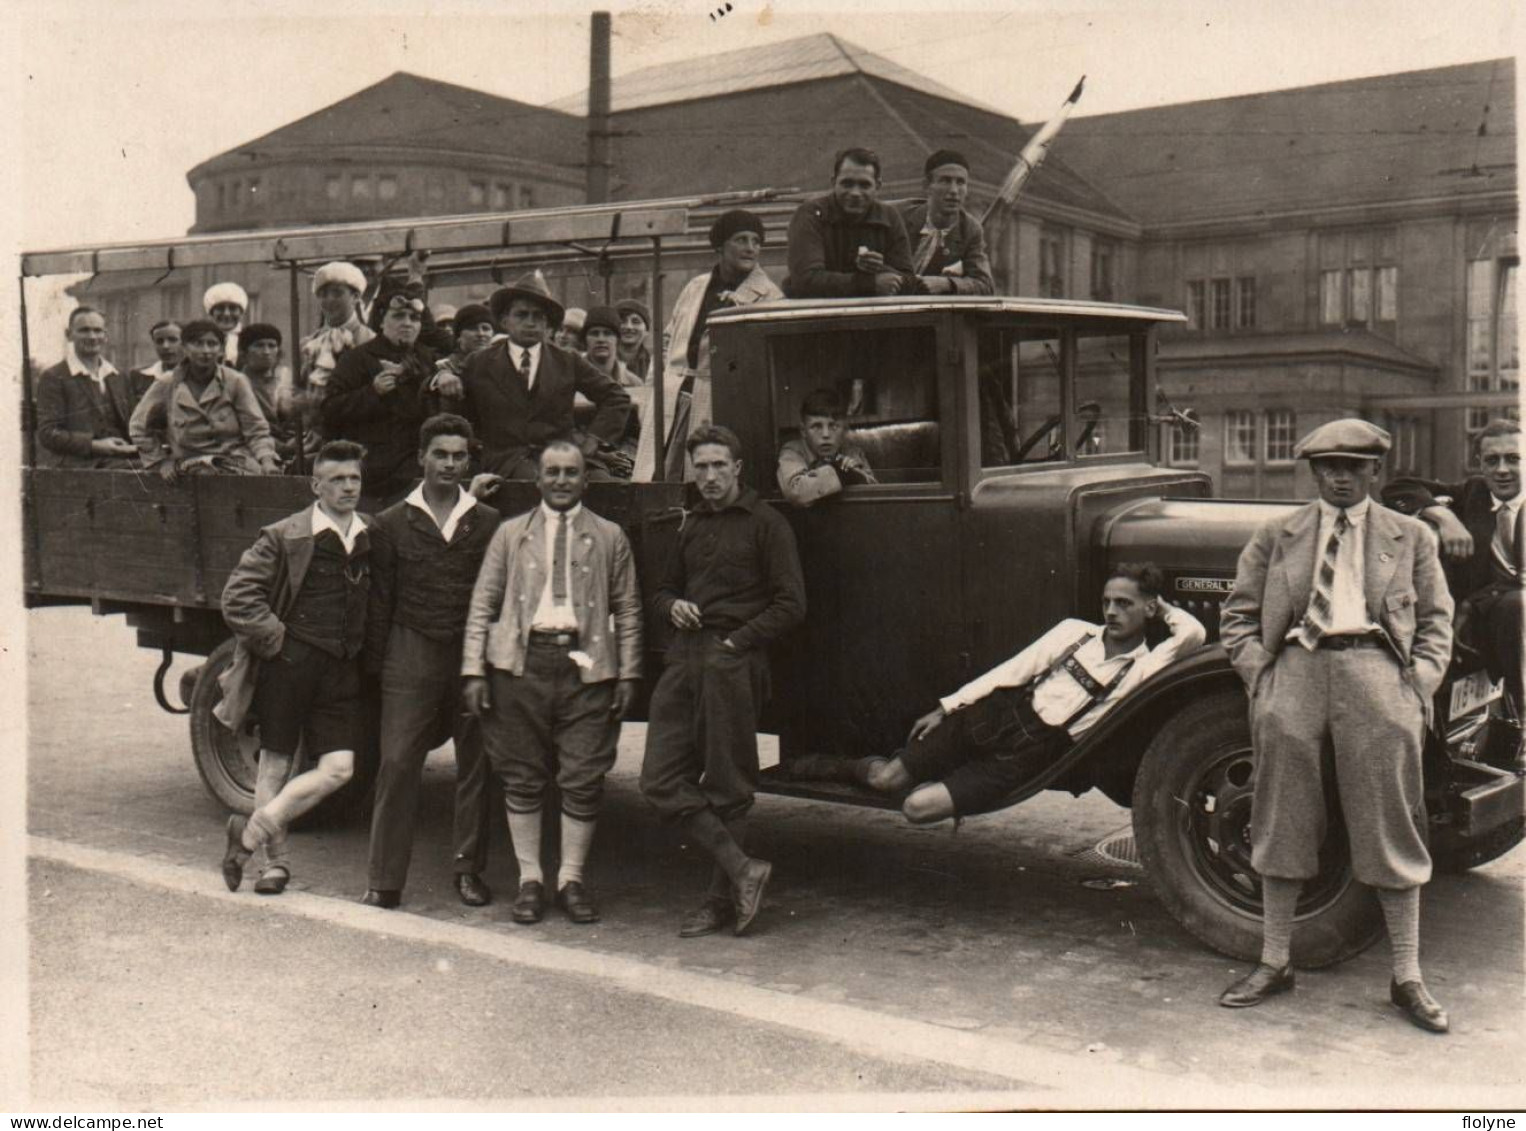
point(1192, 799)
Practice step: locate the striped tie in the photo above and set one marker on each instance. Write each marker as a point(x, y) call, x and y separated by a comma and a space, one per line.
point(1316, 621)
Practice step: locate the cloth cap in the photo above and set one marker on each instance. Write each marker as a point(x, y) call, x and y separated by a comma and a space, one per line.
point(606, 316)
point(257, 332)
point(944, 157)
point(574, 318)
point(345, 274)
point(219, 293)
point(730, 223)
point(200, 328)
point(444, 313)
point(634, 306)
point(473, 314)
point(532, 286)
point(1352, 438)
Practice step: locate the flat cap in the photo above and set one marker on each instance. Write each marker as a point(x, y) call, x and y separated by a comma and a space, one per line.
point(1350, 437)
point(219, 293)
point(342, 273)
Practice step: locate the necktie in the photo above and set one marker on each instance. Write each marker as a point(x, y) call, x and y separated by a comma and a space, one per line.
point(1508, 531)
point(1316, 620)
point(525, 369)
point(559, 561)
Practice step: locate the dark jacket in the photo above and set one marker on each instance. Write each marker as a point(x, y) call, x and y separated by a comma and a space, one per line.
point(512, 421)
point(1470, 502)
point(740, 566)
point(420, 580)
point(965, 245)
point(71, 412)
point(824, 243)
point(387, 425)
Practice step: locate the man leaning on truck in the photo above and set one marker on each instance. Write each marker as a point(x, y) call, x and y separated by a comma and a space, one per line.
point(296, 603)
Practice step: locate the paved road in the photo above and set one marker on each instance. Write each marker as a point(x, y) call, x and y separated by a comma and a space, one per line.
point(984, 935)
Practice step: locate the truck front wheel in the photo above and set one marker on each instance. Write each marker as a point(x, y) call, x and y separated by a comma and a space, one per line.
point(228, 762)
point(1192, 803)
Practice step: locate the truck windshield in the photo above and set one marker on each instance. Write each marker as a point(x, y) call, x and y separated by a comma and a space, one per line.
point(886, 380)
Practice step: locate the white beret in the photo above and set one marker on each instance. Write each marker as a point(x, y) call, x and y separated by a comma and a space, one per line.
point(345, 274)
point(219, 293)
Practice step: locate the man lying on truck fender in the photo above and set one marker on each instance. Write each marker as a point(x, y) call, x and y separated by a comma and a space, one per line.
point(995, 733)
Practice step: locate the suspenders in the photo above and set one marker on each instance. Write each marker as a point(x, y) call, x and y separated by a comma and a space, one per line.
point(1098, 691)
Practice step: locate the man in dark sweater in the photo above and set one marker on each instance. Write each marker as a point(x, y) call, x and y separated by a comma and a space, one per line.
point(425, 553)
point(847, 242)
point(732, 587)
point(296, 603)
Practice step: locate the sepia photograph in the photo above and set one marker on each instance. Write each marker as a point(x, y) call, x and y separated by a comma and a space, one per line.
point(757, 556)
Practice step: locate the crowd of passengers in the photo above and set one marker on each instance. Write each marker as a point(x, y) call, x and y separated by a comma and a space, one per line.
point(522, 368)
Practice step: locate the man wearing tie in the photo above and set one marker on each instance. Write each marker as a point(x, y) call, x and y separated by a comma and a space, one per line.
point(1479, 524)
point(1340, 626)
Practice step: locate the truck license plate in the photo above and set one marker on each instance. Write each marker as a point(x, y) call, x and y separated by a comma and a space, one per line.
point(1473, 691)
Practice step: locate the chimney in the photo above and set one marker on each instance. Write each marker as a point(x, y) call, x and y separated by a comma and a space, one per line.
point(597, 185)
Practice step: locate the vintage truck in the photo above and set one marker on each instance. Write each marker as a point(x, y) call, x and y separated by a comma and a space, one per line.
point(1017, 458)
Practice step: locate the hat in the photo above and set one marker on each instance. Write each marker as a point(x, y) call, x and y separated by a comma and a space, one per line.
point(606, 317)
point(944, 157)
point(730, 223)
point(345, 274)
point(443, 313)
point(1352, 438)
point(634, 306)
point(219, 293)
point(200, 328)
point(258, 332)
point(533, 287)
point(472, 314)
point(574, 318)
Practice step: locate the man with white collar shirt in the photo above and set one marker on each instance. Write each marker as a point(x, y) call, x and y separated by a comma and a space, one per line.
point(167, 349)
point(425, 554)
point(80, 422)
point(949, 245)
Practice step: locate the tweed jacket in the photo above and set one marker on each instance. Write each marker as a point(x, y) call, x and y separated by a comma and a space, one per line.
point(71, 413)
point(1405, 590)
point(964, 249)
point(512, 421)
point(1471, 501)
point(513, 576)
point(259, 593)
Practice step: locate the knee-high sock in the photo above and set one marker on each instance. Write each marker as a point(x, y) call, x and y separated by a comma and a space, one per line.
point(524, 831)
point(1401, 911)
point(577, 839)
point(1280, 900)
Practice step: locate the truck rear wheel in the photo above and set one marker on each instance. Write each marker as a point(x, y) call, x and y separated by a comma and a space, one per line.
point(228, 762)
point(1192, 802)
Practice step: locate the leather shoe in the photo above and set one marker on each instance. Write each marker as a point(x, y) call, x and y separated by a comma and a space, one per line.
point(384, 899)
point(1419, 1006)
point(574, 899)
point(707, 919)
point(473, 892)
point(530, 903)
point(235, 855)
point(747, 893)
point(1261, 983)
point(272, 881)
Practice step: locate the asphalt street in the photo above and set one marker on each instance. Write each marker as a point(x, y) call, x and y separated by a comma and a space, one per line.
point(889, 960)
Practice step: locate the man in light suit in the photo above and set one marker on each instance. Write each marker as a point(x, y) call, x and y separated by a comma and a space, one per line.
point(552, 662)
point(1340, 624)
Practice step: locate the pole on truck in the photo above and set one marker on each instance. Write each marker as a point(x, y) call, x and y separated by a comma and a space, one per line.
point(29, 417)
point(658, 361)
point(299, 462)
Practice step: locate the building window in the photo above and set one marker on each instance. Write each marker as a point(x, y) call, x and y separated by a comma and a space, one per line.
point(500, 196)
point(254, 192)
point(1195, 292)
point(1361, 295)
point(1239, 437)
point(476, 193)
point(1493, 343)
point(1052, 263)
point(1281, 432)
point(1218, 300)
point(1404, 456)
point(526, 196)
point(1359, 280)
point(1245, 303)
point(360, 188)
point(333, 186)
point(1183, 451)
point(222, 197)
point(1332, 306)
point(1388, 294)
point(386, 187)
point(1104, 259)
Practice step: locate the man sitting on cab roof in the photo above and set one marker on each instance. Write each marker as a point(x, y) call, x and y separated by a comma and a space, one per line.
point(998, 732)
point(82, 415)
point(821, 461)
point(846, 242)
point(950, 256)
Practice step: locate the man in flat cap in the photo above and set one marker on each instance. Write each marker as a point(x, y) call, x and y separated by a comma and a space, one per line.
point(225, 304)
point(518, 392)
point(847, 242)
point(1341, 627)
point(737, 279)
point(949, 244)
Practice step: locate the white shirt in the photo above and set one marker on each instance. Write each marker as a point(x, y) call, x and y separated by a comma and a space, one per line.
point(230, 345)
point(1513, 506)
point(156, 371)
point(1348, 599)
point(463, 506)
point(322, 522)
point(78, 368)
point(516, 355)
point(1060, 696)
point(549, 616)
